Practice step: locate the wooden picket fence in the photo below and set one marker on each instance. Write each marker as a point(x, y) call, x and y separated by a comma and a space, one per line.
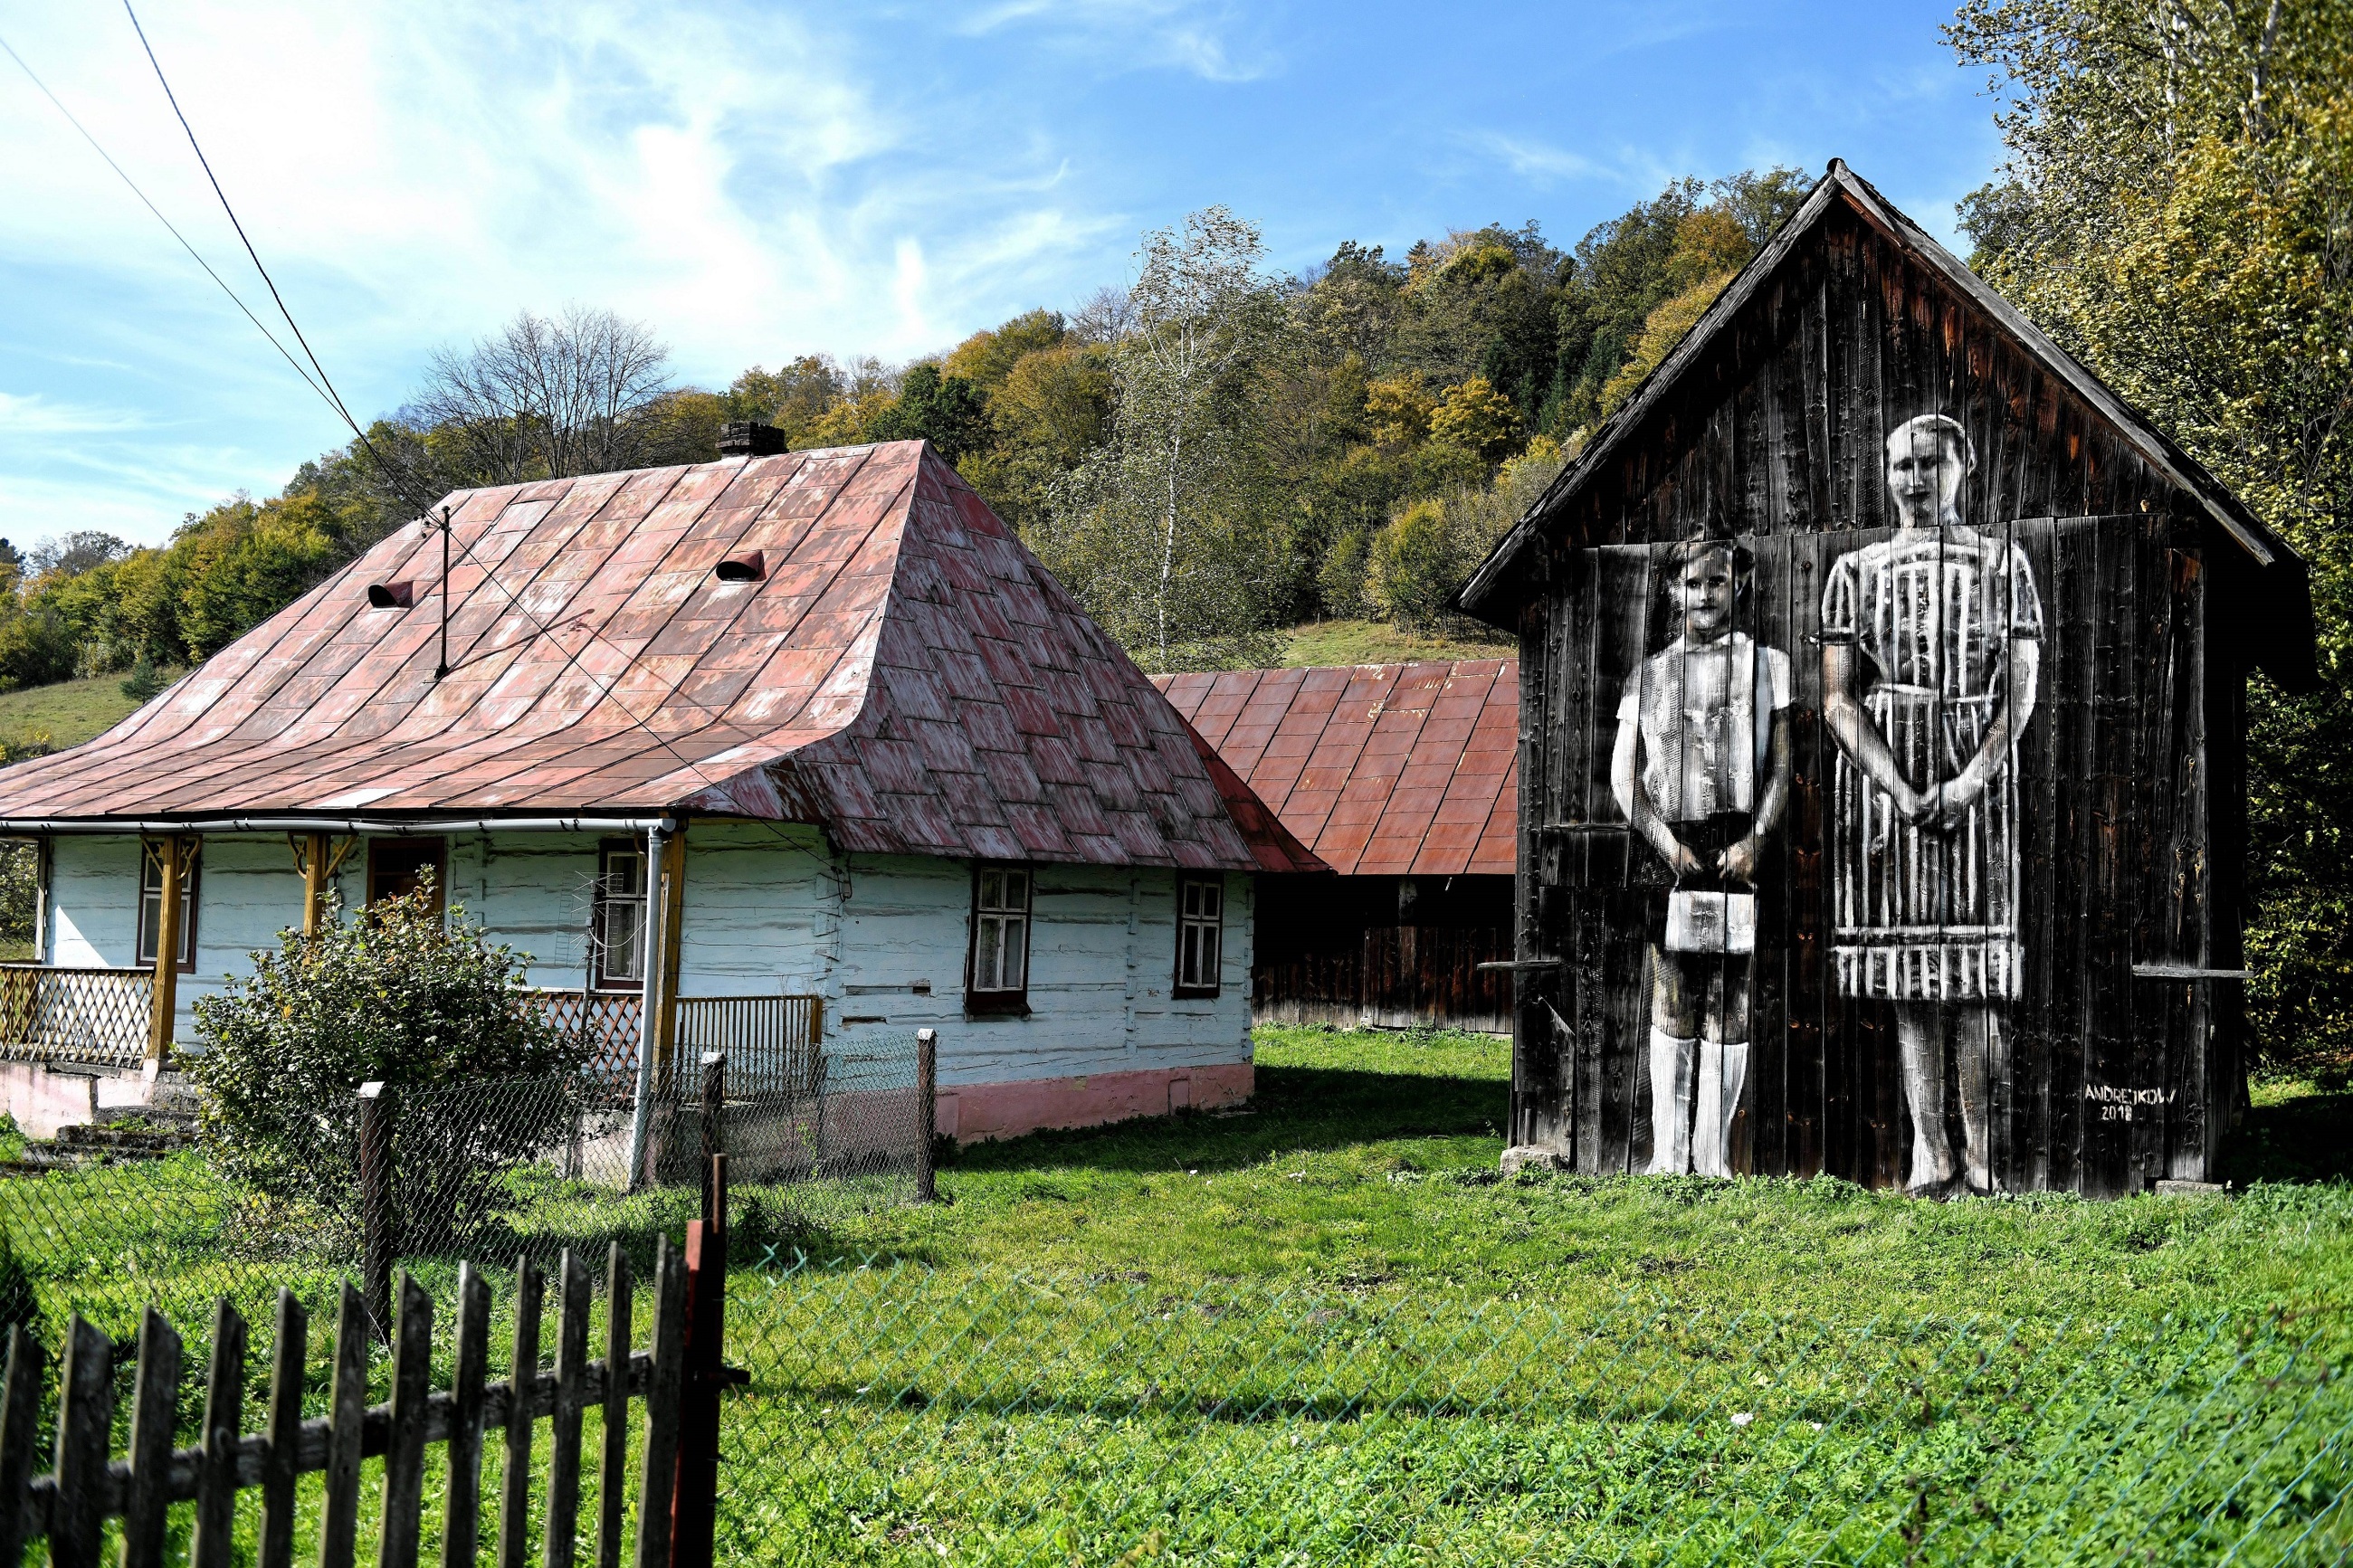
point(69, 1507)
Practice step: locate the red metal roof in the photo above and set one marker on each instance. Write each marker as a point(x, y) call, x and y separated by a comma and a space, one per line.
point(1398, 769)
point(905, 674)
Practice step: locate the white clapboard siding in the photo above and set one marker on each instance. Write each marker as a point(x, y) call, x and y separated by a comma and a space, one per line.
point(1102, 965)
point(758, 911)
point(94, 902)
point(769, 911)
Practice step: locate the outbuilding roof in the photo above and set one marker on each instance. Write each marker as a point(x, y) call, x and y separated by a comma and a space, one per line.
point(898, 670)
point(1396, 769)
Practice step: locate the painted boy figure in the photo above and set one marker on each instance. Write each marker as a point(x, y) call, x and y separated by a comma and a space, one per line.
point(1702, 770)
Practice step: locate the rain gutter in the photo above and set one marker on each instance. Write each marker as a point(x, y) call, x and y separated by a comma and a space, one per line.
point(393, 826)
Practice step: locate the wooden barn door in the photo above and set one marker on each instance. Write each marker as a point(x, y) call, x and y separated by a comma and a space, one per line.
point(2107, 1039)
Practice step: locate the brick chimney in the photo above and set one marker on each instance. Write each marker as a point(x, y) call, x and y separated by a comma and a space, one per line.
point(750, 439)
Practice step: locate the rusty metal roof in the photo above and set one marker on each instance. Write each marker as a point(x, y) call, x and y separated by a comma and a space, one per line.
point(1396, 769)
point(905, 674)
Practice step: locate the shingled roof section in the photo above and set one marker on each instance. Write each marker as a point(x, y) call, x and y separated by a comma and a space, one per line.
point(905, 674)
point(1396, 769)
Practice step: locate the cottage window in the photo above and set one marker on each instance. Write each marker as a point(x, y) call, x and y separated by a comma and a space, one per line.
point(151, 906)
point(396, 867)
point(1200, 932)
point(617, 933)
point(1000, 940)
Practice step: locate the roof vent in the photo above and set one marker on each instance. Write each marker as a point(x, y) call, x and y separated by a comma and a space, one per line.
point(391, 595)
point(741, 569)
point(750, 439)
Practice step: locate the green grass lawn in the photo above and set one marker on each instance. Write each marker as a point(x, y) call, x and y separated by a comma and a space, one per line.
point(1321, 1329)
point(1379, 642)
point(1372, 1157)
point(69, 712)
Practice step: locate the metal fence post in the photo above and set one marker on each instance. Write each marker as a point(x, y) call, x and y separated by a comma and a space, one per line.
point(927, 1112)
point(375, 1204)
point(715, 1131)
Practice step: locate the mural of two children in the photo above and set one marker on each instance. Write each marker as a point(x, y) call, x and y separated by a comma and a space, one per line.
point(1930, 646)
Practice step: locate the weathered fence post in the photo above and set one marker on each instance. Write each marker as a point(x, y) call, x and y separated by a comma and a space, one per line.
point(85, 1426)
point(694, 1493)
point(514, 1486)
point(20, 1418)
point(282, 1453)
point(224, 1419)
point(338, 1521)
point(154, 1410)
point(615, 1459)
point(461, 1525)
point(564, 1430)
point(375, 1204)
point(403, 1454)
point(927, 1112)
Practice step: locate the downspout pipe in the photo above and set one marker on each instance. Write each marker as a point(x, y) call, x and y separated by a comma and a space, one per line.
point(657, 924)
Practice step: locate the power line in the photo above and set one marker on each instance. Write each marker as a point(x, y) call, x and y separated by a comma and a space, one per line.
point(205, 164)
point(151, 207)
point(326, 389)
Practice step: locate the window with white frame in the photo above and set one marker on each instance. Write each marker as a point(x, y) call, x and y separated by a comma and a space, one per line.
point(1200, 933)
point(151, 906)
point(1000, 939)
point(617, 924)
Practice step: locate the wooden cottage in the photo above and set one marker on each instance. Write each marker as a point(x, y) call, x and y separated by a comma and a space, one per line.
point(810, 725)
point(1884, 792)
point(1403, 779)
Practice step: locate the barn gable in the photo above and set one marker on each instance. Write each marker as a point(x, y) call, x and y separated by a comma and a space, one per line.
point(1755, 424)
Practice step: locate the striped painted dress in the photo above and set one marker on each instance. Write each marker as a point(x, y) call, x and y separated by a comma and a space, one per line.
point(1924, 914)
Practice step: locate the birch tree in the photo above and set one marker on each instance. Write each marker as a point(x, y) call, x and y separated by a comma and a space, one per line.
point(1168, 532)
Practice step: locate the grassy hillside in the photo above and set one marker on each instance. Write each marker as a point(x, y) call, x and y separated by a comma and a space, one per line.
point(1378, 642)
point(69, 712)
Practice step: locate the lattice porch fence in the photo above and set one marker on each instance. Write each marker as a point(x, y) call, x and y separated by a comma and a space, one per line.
point(87, 1015)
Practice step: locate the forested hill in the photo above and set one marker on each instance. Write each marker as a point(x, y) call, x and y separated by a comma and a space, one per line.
point(1348, 443)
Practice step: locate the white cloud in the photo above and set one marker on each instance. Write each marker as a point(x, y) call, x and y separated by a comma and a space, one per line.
point(35, 415)
point(1215, 41)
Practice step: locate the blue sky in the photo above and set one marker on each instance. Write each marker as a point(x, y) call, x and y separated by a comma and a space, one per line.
point(759, 181)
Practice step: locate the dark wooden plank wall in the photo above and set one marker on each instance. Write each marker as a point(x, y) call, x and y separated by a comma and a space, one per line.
point(1778, 438)
point(1334, 950)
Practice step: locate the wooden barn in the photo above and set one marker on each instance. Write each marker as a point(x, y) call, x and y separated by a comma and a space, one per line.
point(1402, 779)
point(809, 728)
point(1883, 791)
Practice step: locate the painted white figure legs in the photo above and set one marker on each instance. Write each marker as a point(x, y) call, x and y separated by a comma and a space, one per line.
point(1722, 1072)
point(1980, 1058)
point(1671, 1092)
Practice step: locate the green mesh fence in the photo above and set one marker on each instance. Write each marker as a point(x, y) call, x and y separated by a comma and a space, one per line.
point(907, 1413)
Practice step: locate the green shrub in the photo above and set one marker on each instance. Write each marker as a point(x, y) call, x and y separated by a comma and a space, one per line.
point(426, 1006)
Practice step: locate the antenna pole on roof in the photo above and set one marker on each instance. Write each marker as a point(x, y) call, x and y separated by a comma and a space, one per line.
point(442, 669)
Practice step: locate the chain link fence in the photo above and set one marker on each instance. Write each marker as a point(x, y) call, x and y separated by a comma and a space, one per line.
point(905, 1415)
point(109, 1219)
point(917, 1413)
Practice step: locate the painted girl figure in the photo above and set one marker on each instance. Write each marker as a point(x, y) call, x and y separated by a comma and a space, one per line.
point(1702, 770)
point(1930, 653)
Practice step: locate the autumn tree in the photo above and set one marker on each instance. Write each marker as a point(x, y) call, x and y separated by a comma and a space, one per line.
point(2176, 210)
point(1166, 532)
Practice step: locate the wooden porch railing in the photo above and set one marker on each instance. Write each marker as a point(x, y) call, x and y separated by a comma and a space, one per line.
point(93, 1015)
point(774, 1044)
point(70, 1506)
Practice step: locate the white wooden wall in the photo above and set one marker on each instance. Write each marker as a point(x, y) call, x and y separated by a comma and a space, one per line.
point(1102, 965)
point(768, 911)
